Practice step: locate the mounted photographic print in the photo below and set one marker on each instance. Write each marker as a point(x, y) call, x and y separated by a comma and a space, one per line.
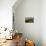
point(29, 19)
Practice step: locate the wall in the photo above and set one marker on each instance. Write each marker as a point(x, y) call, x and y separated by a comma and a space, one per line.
point(43, 22)
point(29, 8)
point(6, 13)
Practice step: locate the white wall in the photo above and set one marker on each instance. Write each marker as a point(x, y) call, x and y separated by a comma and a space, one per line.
point(43, 22)
point(29, 8)
point(6, 13)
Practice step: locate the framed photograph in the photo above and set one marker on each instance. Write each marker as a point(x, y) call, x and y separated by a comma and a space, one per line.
point(29, 19)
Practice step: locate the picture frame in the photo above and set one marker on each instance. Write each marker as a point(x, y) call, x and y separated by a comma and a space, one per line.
point(29, 19)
